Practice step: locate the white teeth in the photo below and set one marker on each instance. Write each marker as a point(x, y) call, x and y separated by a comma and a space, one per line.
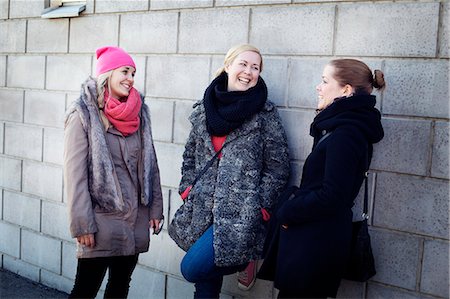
point(243, 80)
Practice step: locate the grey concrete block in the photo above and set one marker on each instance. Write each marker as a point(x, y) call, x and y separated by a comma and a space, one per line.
point(166, 199)
point(435, 268)
point(89, 33)
point(164, 255)
point(147, 284)
point(11, 105)
point(23, 141)
point(161, 112)
point(304, 75)
point(317, 40)
point(419, 206)
point(71, 97)
point(4, 9)
point(69, 260)
point(197, 34)
point(250, 2)
point(26, 71)
point(296, 124)
point(182, 125)
point(179, 288)
point(409, 29)
point(262, 289)
point(174, 4)
point(22, 210)
point(139, 77)
point(440, 158)
point(12, 234)
point(26, 9)
point(55, 220)
point(444, 31)
point(21, 268)
point(41, 251)
point(2, 71)
point(275, 74)
point(296, 173)
point(56, 281)
point(2, 126)
point(149, 33)
point(48, 35)
point(217, 62)
point(170, 157)
point(10, 176)
point(42, 180)
point(350, 289)
point(175, 203)
point(405, 146)
point(396, 258)
point(377, 291)
point(103, 6)
point(417, 87)
point(173, 69)
point(12, 35)
point(45, 108)
point(79, 67)
point(53, 145)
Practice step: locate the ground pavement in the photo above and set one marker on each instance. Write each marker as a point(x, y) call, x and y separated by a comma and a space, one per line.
point(13, 286)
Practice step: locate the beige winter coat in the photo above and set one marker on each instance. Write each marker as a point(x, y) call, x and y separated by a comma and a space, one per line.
point(117, 232)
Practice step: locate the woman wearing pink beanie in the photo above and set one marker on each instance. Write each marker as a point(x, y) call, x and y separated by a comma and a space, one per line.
point(111, 177)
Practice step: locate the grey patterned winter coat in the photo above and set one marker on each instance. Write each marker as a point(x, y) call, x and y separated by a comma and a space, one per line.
point(254, 167)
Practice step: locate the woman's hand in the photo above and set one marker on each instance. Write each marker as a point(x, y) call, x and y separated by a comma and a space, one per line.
point(87, 240)
point(156, 225)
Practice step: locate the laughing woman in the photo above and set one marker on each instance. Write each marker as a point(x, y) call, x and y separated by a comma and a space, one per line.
point(111, 177)
point(221, 223)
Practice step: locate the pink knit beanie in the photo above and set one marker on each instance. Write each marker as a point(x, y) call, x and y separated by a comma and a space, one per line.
point(110, 58)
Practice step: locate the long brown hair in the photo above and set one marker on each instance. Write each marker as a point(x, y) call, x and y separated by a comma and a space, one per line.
point(358, 75)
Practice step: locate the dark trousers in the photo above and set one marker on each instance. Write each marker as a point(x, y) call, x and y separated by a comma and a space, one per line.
point(91, 271)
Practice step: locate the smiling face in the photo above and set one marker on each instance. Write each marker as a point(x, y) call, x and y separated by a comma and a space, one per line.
point(329, 89)
point(121, 81)
point(243, 72)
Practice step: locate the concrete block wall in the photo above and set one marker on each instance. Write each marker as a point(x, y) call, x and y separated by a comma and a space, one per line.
point(177, 46)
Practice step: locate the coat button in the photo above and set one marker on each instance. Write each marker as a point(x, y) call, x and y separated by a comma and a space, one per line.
point(324, 132)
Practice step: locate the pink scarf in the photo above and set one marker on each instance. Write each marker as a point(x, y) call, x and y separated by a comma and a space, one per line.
point(124, 116)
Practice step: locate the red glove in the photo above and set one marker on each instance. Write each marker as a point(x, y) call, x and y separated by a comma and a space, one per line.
point(185, 193)
point(265, 214)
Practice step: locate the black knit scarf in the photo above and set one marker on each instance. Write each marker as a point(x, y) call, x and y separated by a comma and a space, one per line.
point(227, 110)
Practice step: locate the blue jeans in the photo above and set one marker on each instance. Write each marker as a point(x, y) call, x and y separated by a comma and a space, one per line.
point(198, 267)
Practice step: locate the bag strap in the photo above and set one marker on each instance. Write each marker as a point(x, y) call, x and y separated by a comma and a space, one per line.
point(208, 165)
point(323, 138)
point(365, 214)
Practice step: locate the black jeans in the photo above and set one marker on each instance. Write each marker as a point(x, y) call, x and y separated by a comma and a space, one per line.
point(91, 271)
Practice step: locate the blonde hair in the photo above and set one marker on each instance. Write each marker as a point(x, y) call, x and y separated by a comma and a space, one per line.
point(102, 82)
point(234, 52)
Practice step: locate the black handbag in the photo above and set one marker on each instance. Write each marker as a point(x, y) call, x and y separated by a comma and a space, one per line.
point(361, 264)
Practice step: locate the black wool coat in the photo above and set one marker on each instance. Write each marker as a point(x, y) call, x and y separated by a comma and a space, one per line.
point(314, 247)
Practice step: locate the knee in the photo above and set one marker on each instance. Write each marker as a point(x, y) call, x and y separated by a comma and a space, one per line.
point(187, 271)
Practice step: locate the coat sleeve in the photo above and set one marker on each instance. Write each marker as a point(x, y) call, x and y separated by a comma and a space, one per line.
point(188, 166)
point(276, 167)
point(342, 174)
point(81, 214)
point(156, 210)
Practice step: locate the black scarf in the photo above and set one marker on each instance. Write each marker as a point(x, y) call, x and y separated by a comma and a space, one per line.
point(227, 110)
